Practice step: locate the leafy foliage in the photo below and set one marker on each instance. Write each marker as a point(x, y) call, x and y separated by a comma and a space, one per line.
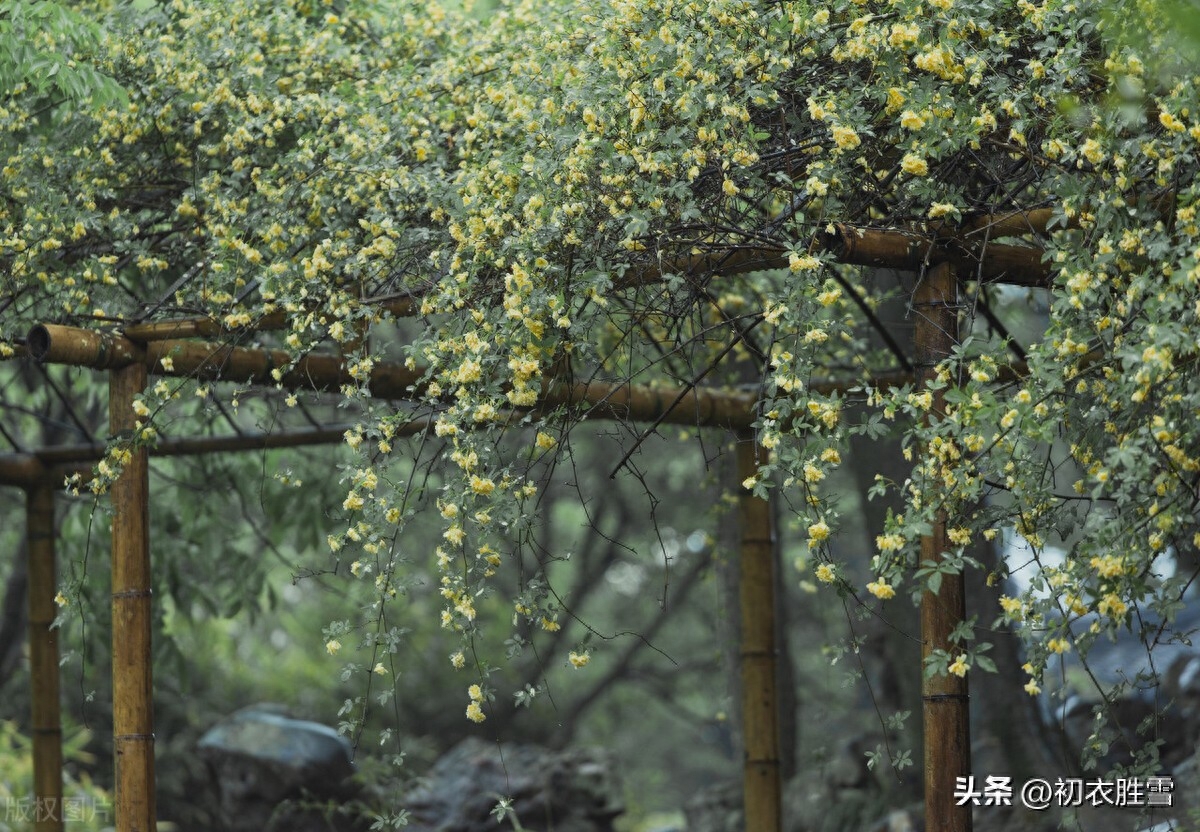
point(543, 184)
point(46, 48)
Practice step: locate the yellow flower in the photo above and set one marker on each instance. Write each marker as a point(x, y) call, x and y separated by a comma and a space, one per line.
point(909, 120)
point(1170, 122)
point(1031, 687)
point(817, 532)
point(545, 441)
point(1092, 151)
point(825, 574)
point(61, 600)
point(380, 669)
point(475, 713)
point(959, 666)
point(475, 692)
point(802, 262)
point(1112, 606)
point(881, 590)
point(332, 646)
point(168, 364)
point(1109, 566)
point(1011, 606)
point(458, 660)
point(914, 165)
point(467, 372)
point(959, 536)
point(579, 659)
point(829, 297)
point(889, 542)
point(845, 137)
point(139, 407)
point(353, 502)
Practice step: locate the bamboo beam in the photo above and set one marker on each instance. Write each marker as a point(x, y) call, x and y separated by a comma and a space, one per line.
point(43, 660)
point(133, 708)
point(69, 454)
point(1015, 224)
point(20, 469)
point(760, 700)
point(52, 343)
point(698, 407)
point(205, 361)
point(905, 250)
point(945, 705)
point(401, 307)
point(887, 248)
point(725, 262)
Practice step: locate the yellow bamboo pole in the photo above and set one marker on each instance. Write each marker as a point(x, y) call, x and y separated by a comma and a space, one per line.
point(892, 248)
point(698, 406)
point(43, 659)
point(133, 709)
point(760, 700)
point(945, 705)
point(897, 249)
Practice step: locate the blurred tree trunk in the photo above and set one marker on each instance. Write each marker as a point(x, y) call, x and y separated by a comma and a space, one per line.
point(789, 700)
point(729, 618)
point(1010, 735)
point(14, 615)
point(892, 649)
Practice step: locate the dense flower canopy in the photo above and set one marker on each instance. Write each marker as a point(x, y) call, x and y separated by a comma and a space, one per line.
point(556, 186)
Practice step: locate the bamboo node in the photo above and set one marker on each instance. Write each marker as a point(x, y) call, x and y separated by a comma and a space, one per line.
point(133, 593)
point(946, 697)
point(134, 738)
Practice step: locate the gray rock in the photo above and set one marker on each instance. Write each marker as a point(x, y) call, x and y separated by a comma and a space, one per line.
point(259, 760)
point(550, 791)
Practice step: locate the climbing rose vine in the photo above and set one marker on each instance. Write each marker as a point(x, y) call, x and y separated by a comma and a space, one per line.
point(553, 184)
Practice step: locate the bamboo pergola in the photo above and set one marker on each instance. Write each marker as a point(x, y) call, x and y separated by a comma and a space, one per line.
point(942, 258)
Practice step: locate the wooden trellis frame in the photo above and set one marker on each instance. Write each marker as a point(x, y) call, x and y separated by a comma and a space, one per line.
point(131, 356)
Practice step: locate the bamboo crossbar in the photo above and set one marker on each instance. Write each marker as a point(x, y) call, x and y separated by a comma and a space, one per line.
point(699, 406)
point(995, 262)
point(36, 467)
point(203, 327)
point(888, 248)
point(56, 344)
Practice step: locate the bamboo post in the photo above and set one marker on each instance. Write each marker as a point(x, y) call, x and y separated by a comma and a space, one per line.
point(133, 713)
point(944, 697)
point(760, 702)
point(43, 659)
